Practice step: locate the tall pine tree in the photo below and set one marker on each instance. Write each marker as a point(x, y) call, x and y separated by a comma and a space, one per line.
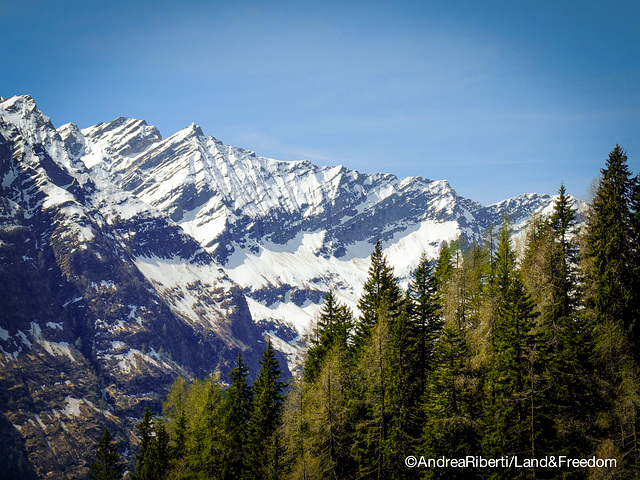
point(381, 288)
point(332, 329)
point(610, 248)
point(238, 405)
point(264, 444)
point(144, 466)
point(107, 465)
point(611, 298)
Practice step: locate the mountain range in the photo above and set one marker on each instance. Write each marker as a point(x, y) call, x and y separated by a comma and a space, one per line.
point(128, 259)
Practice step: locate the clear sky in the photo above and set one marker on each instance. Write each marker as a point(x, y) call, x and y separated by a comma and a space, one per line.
point(498, 97)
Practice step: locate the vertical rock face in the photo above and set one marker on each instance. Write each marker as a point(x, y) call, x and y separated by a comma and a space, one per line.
point(127, 259)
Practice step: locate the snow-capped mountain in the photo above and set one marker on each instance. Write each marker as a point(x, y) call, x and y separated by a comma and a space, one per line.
point(286, 232)
point(105, 301)
point(128, 259)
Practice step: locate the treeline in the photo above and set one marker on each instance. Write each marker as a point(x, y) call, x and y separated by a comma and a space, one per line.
point(488, 353)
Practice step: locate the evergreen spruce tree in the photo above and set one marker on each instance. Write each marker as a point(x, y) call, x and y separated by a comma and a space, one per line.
point(504, 262)
point(511, 389)
point(610, 263)
point(238, 405)
point(372, 401)
point(107, 465)
point(160, 455)
point(424, 310)
point(144, 464)
point(333, 329)
point(547, 273)
point(410, 359)
point(444, 267)
point(405, 374)
point(264, 449)
point(451, 424)
point(380, 288)
point(610, 249)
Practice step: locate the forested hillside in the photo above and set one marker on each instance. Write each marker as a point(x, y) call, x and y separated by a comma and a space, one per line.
point(493, 352)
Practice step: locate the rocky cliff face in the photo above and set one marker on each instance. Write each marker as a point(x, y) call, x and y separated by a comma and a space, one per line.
point(128, 259)
point(105, 301)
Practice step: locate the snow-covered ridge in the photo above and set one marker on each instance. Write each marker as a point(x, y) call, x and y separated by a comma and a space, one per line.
point(288, 231)
point(285, 232)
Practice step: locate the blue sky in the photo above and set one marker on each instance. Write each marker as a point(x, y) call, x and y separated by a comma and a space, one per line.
point(498, 97)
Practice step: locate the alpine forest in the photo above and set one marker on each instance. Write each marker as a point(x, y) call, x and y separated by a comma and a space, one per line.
point(517, 358)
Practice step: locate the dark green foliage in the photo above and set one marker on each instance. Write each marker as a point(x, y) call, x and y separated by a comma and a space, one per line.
point(610, 262)
point(144, 465)
point(610, 255)
point(152, 463)
point(510, 388)
point(238, 405)
point(373, 402)
point(562, 349)
point(381, 288)
point(444, 267)
point(107, 465)
point(451, 422)
point(160, 453)
point(333, 329)
point(424, 310)
point(504, 262)
point(264, 447)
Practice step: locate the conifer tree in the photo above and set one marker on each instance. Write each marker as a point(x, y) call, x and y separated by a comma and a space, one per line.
point(333, 329)
point(410, 359)
point(238, 403)
point(296, 433)
point(206, 448)
point(327, 418)
point(424, 309)
point(611, 298)
point(504, 261)
point(511, 390)
point(609, 248)
point(265, 451)
point(107, 465)
point(380, 288)
point(444, 267)
point(160, 456)
point(451, 422)
point(174, 409)
point(144, 458)
point(405, 374)
point(562, 350)
point(371, 447)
